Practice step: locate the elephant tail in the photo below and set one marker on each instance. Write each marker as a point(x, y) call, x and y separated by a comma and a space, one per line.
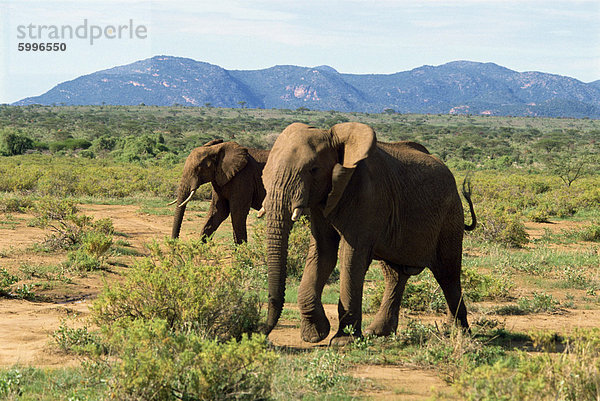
point(466, 190)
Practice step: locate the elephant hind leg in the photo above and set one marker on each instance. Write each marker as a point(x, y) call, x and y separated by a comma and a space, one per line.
point(386, 319)
point(447, 270)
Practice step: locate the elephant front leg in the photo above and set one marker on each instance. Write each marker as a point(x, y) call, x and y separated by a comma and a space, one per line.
point(386, 319)
point(353, 267)
point(320, 262)
point(218, 212)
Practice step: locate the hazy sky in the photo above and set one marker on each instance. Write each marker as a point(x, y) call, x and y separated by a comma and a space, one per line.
point(355, 36)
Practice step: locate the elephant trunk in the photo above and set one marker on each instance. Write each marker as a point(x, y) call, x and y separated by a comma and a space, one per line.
point(178, 218)
point(182, 194)
point(279, 224)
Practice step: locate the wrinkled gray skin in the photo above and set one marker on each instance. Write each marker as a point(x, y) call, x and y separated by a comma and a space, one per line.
point(391, 202)
point(235, 174)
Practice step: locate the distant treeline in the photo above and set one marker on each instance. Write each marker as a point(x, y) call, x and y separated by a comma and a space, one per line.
point(166, 134)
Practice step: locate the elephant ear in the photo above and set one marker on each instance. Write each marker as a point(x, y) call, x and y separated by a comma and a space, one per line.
point(213, 142)
point(232, 158)
point(355, 141)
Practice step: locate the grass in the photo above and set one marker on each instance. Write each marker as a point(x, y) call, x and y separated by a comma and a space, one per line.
point(28, 384)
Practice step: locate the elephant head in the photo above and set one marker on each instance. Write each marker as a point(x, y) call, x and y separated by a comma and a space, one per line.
point(216, 162)
point(307, 168)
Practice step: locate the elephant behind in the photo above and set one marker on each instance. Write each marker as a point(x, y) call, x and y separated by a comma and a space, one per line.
point(235, 174)
point(392, 202)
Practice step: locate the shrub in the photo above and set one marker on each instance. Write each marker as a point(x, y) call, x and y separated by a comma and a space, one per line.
point(324, 370)
point(299, 242)
point(10, 384)
point(156, 363)
point(573, 375)
point(49, 208)
point(16, 204)
point(589, 233)
point(6, 280)
point(188, 284)
point(255, 255)
point(78, 340)
point(81, 261)
point(13, 143)
point(478, 286)
point(69, 144)
point(447, 348)
point(423, 293)
point(96, 244)
point(502, 227)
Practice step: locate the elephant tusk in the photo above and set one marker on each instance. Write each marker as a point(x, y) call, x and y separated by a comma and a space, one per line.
point(261, 212)
point(188, 199)
point(172, 203)
point(297, 213)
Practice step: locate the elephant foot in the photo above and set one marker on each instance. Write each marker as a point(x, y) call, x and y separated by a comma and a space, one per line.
point(313, 332)
point(382, 327)
point(342, 340)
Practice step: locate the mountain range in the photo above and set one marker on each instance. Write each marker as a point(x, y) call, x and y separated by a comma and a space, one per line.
point(458, 87)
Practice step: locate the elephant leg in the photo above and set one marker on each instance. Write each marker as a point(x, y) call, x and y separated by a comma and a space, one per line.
point(446, 271)
point(354, 263)
point(320, 262)
point(239, 215)
point(386, 319)
point(218, 212)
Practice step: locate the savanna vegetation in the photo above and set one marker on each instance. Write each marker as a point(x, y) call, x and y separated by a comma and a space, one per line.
point(178, 319)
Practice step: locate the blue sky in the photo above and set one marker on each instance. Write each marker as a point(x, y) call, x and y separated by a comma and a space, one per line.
point(354, 36)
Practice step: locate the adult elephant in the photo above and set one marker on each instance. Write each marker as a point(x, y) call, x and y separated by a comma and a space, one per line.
point(391, 202)
point(235, 174)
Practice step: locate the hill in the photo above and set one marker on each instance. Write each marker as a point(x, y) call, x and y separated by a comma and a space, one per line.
point(459, 87)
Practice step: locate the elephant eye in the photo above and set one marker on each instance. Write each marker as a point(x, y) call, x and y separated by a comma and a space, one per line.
point(314, 170)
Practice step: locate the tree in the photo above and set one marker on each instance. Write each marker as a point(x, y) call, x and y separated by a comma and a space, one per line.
point(570, 166)
point(13, 143)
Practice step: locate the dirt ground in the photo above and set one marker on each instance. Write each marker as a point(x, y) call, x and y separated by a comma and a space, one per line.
point(26, 327)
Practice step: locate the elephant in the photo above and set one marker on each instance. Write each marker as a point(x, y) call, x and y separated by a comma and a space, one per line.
point(235, 174)
point(392, 202)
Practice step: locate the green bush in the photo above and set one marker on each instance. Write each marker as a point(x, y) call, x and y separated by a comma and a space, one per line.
point(50, 208)
point(324, 370)
point(501, 227)
point(10, 384)
point(186, 284)
point(91, 251)
point(423, 293)
point(96, 244)
point(539, 302)
point(589, 233)
point(572, 376)
point(60, 176)
point(15, 204)
point(81, 261)
point(254, 255)
point(6, 280)
point(156, 363)
point(12, 142)
point(479, 286)
point(78, 340)
point(69, 144)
